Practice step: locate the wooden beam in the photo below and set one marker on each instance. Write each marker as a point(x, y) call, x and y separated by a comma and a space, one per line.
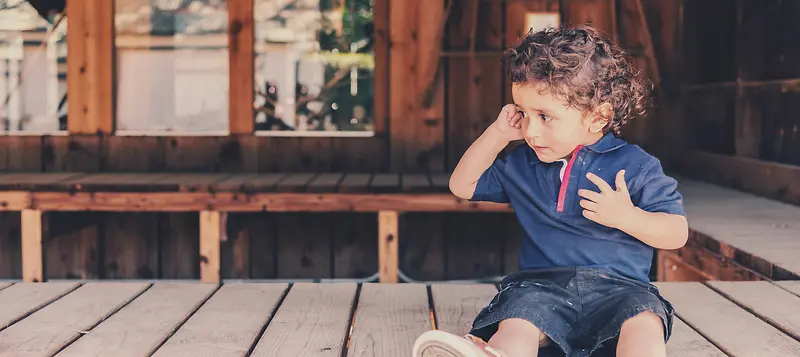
point(768, 179)
point(32, 258)
point(785, 85)
point(211, 231)
point(14, 200)
point(241, 66)
point(388, 246)
point(416, 125)
point(261, 202)
point(90, 66)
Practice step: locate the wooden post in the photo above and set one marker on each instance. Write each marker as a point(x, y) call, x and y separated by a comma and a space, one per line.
point(211, 229)
point(387, 246)
point(32, 266)
point(90, 66)
point(241, 66)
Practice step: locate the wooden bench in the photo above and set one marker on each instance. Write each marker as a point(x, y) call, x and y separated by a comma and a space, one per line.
point(734, 236)
point(136, 318)
point(214, 195)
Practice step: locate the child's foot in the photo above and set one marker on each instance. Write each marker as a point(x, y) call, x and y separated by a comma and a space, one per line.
point(437, 343)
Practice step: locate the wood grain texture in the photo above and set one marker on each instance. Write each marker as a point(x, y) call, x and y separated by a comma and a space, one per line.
point(144, 324)
point(792, 286)
point(766, 300)
point(227, 324)
point(321, 311)
point(388, 319)
point(456, 305)
point(65, 320)
point(241, 66)
point(90, 68)
point(735, 330)
point(21, 299)
point(388, 242)
point(760, 227)
point(686, 342)
point(32, 258)
point(211, 230)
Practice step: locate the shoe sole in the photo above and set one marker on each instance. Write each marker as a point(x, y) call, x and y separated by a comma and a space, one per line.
point(435, 343)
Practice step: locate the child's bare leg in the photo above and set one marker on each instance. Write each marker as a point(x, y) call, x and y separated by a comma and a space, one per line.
point(642, 335)
point(517, 338)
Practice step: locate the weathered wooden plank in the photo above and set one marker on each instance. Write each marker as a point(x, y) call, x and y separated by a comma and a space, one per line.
point(72, 254)
point(212, 228)
point(21, 299)
point(469, 253)
point(144, 324)
point(240, 64)
point(295, 182)
point(180, 246)
point(34, 180)
point(72, 153)
point(32, 258)
point(773, 304)
point(730, 327)
point(422, 249)
point(388, 319)
point(456, 305)
point(10, 245)
point(303, 250)
point(385, 183)
point(130, 245)
point(388, 246)
point(227, 324)
point(65, 320)
point(313, 320)
point(745, 227)
point(263, 182)
point(14, 200)
point(4, 285)
point(793, 286)
point(416, 183)
point(773, 180)
point(416, 81)
point(287, 202)
point(355, 183)
point(90, 69)
point(686, 342)
point(354, 245)
point(326, 182)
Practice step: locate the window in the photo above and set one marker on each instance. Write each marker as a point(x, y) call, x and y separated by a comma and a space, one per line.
point(171, 67)
point(537, 21)
point(33, 69)
point(314, 64)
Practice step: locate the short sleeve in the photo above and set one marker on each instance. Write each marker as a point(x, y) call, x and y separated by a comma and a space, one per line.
point(659, 192)
point(490, 184)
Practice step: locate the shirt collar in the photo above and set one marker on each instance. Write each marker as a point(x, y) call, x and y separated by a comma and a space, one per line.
point(608, 142)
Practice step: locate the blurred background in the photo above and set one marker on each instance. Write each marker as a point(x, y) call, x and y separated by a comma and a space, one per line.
point(359, 86)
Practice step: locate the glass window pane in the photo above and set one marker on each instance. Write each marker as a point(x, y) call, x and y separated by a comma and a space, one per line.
point(33, 69)
point(314, 65)
point(172, 66)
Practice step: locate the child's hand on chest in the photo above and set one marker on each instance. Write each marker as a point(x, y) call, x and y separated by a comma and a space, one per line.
point(608, 206)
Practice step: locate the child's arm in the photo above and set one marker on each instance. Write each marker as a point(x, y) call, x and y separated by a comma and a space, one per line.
point(614, 208)
point(482, 153)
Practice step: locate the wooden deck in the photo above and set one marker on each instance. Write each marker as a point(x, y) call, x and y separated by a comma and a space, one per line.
point(134, 318)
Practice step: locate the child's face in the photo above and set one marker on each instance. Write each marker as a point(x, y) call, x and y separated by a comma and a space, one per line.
point(550, 128)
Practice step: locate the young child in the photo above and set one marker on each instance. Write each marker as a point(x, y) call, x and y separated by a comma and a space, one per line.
point(592, 208)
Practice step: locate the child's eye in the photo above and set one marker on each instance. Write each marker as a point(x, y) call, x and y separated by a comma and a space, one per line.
point(544, 117)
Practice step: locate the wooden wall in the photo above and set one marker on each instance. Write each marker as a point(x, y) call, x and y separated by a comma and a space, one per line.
point(445, 86)
point(740, 91)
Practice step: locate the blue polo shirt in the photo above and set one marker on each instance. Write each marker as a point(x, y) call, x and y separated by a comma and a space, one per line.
point(556, 234)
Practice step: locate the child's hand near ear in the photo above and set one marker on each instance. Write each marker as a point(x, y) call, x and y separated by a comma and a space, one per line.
point(508, 123)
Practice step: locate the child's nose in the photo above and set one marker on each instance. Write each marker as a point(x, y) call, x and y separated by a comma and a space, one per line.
point(534, 129)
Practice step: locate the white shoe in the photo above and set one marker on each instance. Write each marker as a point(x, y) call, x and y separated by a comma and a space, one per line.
point(437, 343)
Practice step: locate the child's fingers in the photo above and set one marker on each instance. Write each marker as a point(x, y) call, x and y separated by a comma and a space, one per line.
point(589, 195)
point(602, 185)
point(589, 205)
point(515, 120)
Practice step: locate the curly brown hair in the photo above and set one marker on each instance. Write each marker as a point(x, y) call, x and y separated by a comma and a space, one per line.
point(582, 67)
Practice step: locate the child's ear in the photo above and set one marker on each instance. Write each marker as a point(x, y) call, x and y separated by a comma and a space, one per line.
point(602, 116)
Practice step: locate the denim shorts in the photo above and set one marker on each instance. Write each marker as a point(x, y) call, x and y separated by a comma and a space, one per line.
point(580, 309)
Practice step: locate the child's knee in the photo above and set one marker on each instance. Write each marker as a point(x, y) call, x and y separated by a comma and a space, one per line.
point(521, 328)
point(645, 321)
point(642, 335)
